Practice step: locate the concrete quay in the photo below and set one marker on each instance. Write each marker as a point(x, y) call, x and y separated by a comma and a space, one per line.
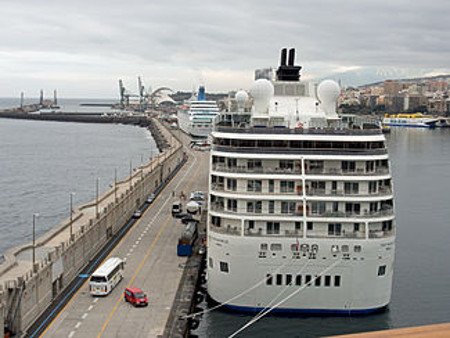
point(26, 291)
point(152, 264)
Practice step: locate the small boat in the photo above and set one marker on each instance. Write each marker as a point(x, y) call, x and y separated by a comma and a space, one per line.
point(417, 120)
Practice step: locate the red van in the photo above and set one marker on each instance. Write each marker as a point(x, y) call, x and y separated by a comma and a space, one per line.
point(135, 296)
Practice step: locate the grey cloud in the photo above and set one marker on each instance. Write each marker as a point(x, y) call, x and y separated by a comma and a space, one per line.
point(176, 39)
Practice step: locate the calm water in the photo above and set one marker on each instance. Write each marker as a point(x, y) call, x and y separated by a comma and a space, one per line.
point(42, 162)
point(421, 292)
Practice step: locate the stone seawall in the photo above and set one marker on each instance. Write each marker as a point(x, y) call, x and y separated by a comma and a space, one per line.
point(27, 291)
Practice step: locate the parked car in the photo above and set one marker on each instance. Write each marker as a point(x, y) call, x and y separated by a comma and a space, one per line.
point(137, 214)
point(135, 296)
point(151, 198)
point(177, 208)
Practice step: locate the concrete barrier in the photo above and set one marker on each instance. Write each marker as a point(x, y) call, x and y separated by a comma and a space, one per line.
point(31, 290)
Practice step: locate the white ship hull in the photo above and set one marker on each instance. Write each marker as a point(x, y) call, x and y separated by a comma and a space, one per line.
point(195, 128)
point(361, 290)
point(412, 123)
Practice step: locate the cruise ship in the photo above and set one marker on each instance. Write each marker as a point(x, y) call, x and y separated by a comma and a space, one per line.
point(416, 120)
point(199, 116)
point(301, 216)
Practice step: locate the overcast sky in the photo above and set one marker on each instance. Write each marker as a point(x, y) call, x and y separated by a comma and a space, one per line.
point(83, 47)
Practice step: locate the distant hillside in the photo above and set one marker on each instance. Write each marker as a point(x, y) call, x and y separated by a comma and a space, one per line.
point(442, 77)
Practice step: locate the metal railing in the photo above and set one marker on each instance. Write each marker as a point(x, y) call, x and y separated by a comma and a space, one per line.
point(323, 192)
point(311, 131)
point(306, 151)
point(338, 171)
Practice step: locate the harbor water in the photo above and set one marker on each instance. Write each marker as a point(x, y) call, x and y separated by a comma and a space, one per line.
point(41, 163)
point(420, 160)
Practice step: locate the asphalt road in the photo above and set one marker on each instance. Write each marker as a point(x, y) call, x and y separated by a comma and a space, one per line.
point(151, 264)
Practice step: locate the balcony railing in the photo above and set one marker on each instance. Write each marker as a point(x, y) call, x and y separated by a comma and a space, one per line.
point(342, 234)
point(255, 170)
point(280, 233)
point(338, 171)
point(365, 214)
point(381, 233)
point(229, 230)
point(255, 212)
point(323, 192)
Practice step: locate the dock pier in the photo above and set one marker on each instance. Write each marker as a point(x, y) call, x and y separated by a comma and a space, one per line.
point(41, 299)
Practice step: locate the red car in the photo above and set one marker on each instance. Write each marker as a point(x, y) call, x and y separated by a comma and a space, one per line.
point(135, 296)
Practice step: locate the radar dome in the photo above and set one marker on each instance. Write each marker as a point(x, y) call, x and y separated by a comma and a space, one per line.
point(262, 91)
point(241, 96)
point(328, 93)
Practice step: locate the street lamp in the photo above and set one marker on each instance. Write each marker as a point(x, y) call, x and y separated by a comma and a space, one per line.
point(131, 172)
point(35, 215)
point(115, 185)
point(96, 197)
point(71, 214)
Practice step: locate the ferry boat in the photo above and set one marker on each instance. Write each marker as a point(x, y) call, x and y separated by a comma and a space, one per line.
point(416, 120)
point(301, 206)
point(199, 116)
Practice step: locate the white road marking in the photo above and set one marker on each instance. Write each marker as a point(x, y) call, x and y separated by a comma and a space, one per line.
point(134, 245)
point(137, 242)
point(128, 254)
point(84, 315)
point(131, 250)
point(90, 307)
point(71, 334)
point(140, 238)
point(95, 300)
point(77, 325)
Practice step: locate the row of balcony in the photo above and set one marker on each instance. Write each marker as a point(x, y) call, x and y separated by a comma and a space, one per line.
point(298, 233)
point(382, 191)
point(388, 211)
point(297, 171)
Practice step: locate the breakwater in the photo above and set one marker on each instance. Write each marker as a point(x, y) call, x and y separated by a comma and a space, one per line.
point(27, 290)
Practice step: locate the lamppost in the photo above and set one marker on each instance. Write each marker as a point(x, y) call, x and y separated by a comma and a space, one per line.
point(71, 214)
point(35, 215)
point(115, 185)
point(96, 197)
point(131, 172)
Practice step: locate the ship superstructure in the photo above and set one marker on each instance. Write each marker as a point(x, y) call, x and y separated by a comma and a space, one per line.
point(199, 116)
point(301, 205)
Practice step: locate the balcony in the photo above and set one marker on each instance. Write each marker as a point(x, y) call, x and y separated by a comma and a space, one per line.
point(281, 233)
point(343, 234)
point(381, 233)
point(342, 214)
point(338, 171)
point(382, 191)
point(257, 212)
point(228, 230)
point(255, 170)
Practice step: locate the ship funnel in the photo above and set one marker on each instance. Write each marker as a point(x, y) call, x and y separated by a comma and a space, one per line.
point(283, 56)
point(291, 56)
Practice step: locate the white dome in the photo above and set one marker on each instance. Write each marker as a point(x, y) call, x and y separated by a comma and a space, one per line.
point(241, 96)
point(328, 91)
point(262, 89)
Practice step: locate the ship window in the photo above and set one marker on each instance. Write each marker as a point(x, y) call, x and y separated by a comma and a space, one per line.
point(298, 225)
point(271, 207)
point(298, 280)
point(327, 280)
point(351, 188)
point(355, 227)
point(264, 246)
point(232, 205)
point(308, 280)
point(275, 247)
point(317, 280)
point(382, 270)
point(334, 229)
point(216, 221)
point(288, 279)
point(287, 207)
point(287, 186)
point(254, 206)
point(309, 226)
point(273, 228)
point(269, 279)
point(357, 248)
point(287, 164)
point(387, 225)
point(337, 280)
point(345, 248)
point(279, 279)
point(231, 184)
point(210, 260)
point(271, 186)
point(254, 185)
point(224, 267)
point(251, 224)
point(348, 166)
